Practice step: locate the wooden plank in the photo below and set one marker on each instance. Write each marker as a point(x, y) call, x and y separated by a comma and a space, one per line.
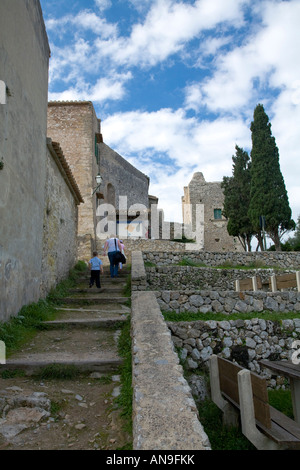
point(229, 386)
point(260, 399)
point(259, 387)
point(284, 367)
point(285, 281)
point(246, 284)
point(259, 282)
point(228, 368)
point(285, 422)
point(280, 436)
point(230, 389)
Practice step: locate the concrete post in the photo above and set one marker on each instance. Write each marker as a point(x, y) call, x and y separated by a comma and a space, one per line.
point(254, 283)
point(237, 285)
point(273, 283)
point(298, 280)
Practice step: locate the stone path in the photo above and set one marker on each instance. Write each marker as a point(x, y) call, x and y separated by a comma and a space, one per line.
point(77, 412)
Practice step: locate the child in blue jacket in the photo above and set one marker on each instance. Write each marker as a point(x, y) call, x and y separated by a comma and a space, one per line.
point(96, 267)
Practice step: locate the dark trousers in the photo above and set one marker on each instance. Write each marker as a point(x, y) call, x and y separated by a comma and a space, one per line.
point(95, 277)
point(113, 266)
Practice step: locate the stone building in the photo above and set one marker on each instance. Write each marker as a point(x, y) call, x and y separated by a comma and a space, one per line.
point(78, 130)
point(33, 256)
point(208, 199)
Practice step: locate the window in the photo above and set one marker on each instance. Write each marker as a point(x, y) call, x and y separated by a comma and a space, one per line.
point(217, 213)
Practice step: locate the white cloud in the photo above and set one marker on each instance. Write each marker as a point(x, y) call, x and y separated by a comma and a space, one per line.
point(84, 20)
point(168, 27)
point(270, 56)
point(193, 98)
point(169, 147)
point(103, 4)
point(107, 88)
point(237, 78)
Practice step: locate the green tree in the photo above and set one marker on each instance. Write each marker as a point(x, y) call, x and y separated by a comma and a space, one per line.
point(295, 240)
point(237, 198)
point(268, 193)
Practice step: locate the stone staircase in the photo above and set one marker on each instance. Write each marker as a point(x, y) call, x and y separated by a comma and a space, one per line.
point(83, 337)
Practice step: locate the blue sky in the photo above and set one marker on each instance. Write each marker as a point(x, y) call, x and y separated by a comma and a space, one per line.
point(175, 83)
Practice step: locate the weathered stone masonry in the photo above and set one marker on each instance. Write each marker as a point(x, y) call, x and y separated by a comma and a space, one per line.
point(24, 59)
point(75, 126)
point(38, 194)
point(246, 341)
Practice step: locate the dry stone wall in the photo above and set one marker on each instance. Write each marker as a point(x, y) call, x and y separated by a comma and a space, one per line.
point(60, 228)
point(283, 260)
point(227, 302)
point(245, 341)
point(189, 277)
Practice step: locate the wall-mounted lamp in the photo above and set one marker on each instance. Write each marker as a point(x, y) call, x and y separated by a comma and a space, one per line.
point(98, 181)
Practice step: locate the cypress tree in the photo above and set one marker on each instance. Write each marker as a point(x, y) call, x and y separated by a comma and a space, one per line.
point(268, 193)
point(237, 199)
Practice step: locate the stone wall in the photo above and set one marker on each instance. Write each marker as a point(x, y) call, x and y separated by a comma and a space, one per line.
point(164, 412)
point(60, 223)
point(189, 277)
point(245, 341)
point(125, 179)
point(24, 58)
point(282, 260)
point(227, 302)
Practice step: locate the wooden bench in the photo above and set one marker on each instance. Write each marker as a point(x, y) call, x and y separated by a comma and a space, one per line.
point(285, 281)
point(251, 283)
point(239, 392)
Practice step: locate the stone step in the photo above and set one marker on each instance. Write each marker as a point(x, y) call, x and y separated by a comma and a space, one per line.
point(102, 323)
point(31, 367)
point(89, 350)
point(106, 279)
point(94, 299)
point(107, 290)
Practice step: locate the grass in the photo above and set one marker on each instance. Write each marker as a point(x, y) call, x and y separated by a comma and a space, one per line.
point(127, 288)
point(220, 436)
point(58, 372)
point(190, 262)
point(226, 265)
point(265, 315)
point(124, 400)
point(21, 328)
point(282, 401)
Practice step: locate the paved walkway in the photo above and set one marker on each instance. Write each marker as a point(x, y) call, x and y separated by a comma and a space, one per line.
point(79, 413)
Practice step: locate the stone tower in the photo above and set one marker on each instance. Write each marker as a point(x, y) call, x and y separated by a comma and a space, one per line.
point(211, 197)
